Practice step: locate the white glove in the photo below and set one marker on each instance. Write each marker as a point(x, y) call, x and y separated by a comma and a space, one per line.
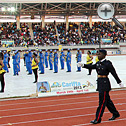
point(121, 85)
point(79, 64)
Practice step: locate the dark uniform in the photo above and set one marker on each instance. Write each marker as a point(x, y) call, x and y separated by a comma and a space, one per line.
point(103, 69)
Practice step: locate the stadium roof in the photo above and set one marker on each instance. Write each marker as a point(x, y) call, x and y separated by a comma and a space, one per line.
point(62, 1)
point(58, 8)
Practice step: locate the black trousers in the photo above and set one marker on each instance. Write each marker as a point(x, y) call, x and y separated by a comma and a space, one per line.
point(105, 101)
point(8, 62)
point(2, 82)
point(35, 71)
point(90, 70)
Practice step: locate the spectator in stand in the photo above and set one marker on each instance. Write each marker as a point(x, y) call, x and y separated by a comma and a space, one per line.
point(48, 35)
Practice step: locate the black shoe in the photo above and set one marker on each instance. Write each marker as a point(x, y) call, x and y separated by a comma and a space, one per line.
point(114, 117)
point(95, 122)
point(78, 71)
point(89, 74)
point(35, 82)
point(68, 71)
point(41, 73)
point(29, 74)
point(55, 72)
point(1, 91)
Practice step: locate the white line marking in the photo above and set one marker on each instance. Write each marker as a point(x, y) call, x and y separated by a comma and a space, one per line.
point(55, 100)
point(53, 105)
point(47, 106)
point(59, 118)
point(62, 110)
point(49, 101)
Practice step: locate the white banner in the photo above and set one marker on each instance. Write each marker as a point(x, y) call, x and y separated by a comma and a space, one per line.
point(63, 88)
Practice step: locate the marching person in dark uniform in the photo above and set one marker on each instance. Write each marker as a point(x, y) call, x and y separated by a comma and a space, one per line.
point(8, 58)
point(2, 71)
point(103, 68)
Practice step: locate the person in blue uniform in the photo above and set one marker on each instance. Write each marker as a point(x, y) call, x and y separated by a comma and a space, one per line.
point(15, 63)
point(103, 68)
point(55, 61)
point(41, 62)
point(62, 59)
point(29, 62)
point(51, 60)
point(78, 57)
point(68, 61)
point(18, 60)
point(46, 58)
point(5, 61)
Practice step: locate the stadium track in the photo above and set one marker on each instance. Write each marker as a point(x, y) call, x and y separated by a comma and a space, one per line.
point(70, 110)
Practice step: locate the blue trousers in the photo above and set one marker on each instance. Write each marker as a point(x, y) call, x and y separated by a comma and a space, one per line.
point(55, 67)
point(62, 64)
point(15, 69)
point(41, 67)
point(6, 66)
point(29, 68)
point(46, 63)
point(69, 66)
point(51, 65)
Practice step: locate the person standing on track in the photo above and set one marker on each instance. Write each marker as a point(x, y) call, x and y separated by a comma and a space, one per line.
point(89, 60)
point(35, 66)
point(2, 72)
point(62, 59)
point(41, 62)
point(103, 68)
point(55, 61)
point(79, 58)
point(46, 58)
point(51, 59)
point(68, 61)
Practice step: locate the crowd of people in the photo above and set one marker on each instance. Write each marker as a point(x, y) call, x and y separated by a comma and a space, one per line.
point(46, 36)
point(104, 29)
point(53, 34)
point(9, 31)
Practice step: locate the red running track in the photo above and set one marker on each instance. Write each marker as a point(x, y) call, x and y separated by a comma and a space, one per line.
point(72, 110)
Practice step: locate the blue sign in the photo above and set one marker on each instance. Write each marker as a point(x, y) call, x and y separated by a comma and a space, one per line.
point(106, 40)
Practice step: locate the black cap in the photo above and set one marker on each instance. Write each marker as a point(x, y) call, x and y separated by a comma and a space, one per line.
point(103, 51)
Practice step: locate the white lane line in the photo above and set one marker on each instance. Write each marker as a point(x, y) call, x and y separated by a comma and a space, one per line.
point(55, 100)
point(47, 106)
point(36, 113)
point(53, 111)
point(86, 124)
point(50, 100)
point(50, 119)
point(54, 105)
